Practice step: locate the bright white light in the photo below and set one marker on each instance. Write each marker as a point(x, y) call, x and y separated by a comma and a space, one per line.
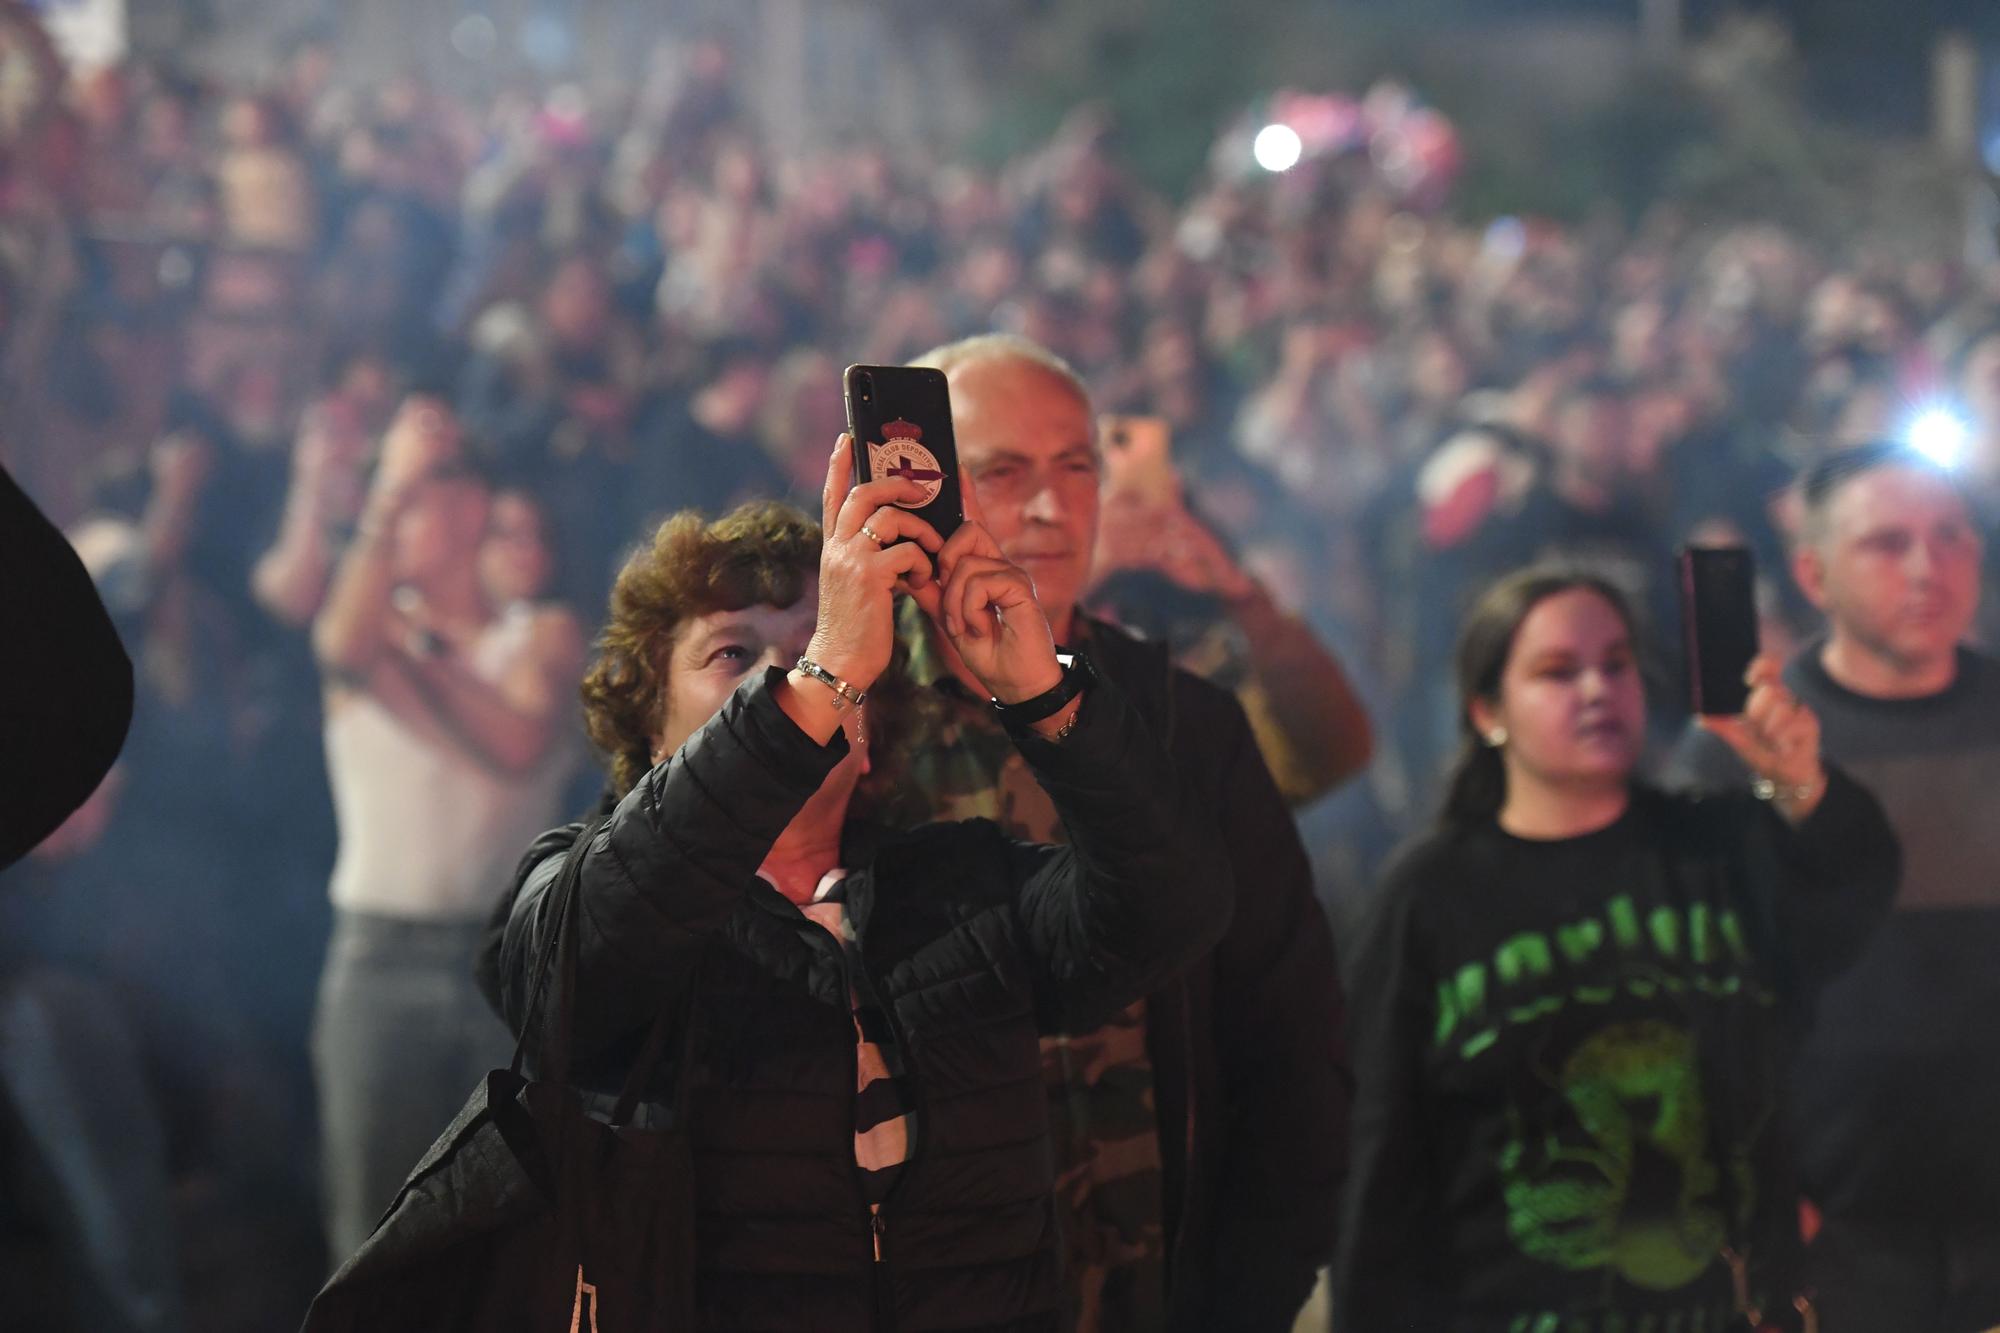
point(1277, 148)
point(1939, 435)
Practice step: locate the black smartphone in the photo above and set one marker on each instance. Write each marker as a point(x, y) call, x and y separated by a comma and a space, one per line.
point(1718, 625)
point(900, 418)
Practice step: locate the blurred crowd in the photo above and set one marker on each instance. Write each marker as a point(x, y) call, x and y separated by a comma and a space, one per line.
point(217, 301)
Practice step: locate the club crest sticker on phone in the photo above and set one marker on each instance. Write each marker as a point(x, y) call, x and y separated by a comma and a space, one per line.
point(903, 455)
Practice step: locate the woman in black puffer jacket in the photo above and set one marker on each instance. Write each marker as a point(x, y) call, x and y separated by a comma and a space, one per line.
point(869, 1126)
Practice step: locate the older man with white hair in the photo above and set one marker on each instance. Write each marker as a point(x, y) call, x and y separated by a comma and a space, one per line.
point(1202, 1135)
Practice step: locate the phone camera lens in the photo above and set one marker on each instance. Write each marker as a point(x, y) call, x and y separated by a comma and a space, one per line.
point(867, 386)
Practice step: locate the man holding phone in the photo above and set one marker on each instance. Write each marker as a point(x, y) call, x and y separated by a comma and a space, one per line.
point(1898, 1086)
point(1161, 569)
point(1202, 1135)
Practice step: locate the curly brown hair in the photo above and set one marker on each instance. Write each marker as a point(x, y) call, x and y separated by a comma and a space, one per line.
point(758, 554)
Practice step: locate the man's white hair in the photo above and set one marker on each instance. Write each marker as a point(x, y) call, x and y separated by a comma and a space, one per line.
point(1004, 347)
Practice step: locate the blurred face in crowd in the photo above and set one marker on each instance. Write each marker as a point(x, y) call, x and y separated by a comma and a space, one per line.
point(1979, 381)
point(806, 390)
point(736, 395)
point(1438, 375)
point(1570, 696)
point(165, 130)
point(804, 410)
point(1170, 354)
point(1590, 436)
point(309, 72)
point(1894, 562)
point(989, 271)
point(515, 561)
point(576, 307)
point(1868, 413)
point(1881, 322)
point(256, 401)
point(1833, 315)
point(440, 531)
point(368, 388)
point(1028, 444)
point(739, 177)
point(246, 124)
point(1639, 343)
point(1659, 420)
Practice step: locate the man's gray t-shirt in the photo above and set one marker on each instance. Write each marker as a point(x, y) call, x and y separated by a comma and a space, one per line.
point(1897, 1091)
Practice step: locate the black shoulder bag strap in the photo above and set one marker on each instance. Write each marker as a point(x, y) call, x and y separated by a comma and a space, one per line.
point(558, 956)
point(558, 950)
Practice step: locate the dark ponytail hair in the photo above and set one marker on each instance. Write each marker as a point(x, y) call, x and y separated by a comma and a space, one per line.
point(1477, 785)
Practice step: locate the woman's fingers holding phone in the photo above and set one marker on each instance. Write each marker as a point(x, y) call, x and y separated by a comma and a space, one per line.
point(844, 505)
point(855, 634)
point(1764, 669)
point(890, 524)
point(925, 590)
point(839, 481)
point(1777, 736)
point(907, 566)
point(862, 502)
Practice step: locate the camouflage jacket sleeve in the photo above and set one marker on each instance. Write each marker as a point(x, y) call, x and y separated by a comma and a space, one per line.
point(1310, 724)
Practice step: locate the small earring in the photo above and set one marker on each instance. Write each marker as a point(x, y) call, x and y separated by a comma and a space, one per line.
point(1496, 737)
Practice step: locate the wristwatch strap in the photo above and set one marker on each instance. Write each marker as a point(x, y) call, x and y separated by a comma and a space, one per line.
point(1019, 718)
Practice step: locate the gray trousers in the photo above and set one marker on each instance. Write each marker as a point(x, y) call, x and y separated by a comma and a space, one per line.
point(401, 1037)
point(86, 1161)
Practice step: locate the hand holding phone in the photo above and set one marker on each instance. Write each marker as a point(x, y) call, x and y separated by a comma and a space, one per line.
point(871, 549)
point(987, 607)
point(1138, 460)
point(1777, 738)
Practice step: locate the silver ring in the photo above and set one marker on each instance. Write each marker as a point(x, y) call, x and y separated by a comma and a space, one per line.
point(873, 535)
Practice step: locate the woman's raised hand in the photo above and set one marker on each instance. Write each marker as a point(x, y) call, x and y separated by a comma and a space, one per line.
point(863, 561)
point(1777, 736)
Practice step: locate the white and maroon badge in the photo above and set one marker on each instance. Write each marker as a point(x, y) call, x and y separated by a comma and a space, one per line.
point(903, 455)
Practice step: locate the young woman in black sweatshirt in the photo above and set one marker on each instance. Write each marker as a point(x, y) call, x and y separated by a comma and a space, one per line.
point(1574, 1006)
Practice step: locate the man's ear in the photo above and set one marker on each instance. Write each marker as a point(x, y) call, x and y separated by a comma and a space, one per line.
point(1809, 572)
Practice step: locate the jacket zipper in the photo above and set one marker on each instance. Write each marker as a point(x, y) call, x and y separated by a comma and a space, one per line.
point(878, 1222)
point(878, 1214)
point(885, 1294)
point(878, 1227)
